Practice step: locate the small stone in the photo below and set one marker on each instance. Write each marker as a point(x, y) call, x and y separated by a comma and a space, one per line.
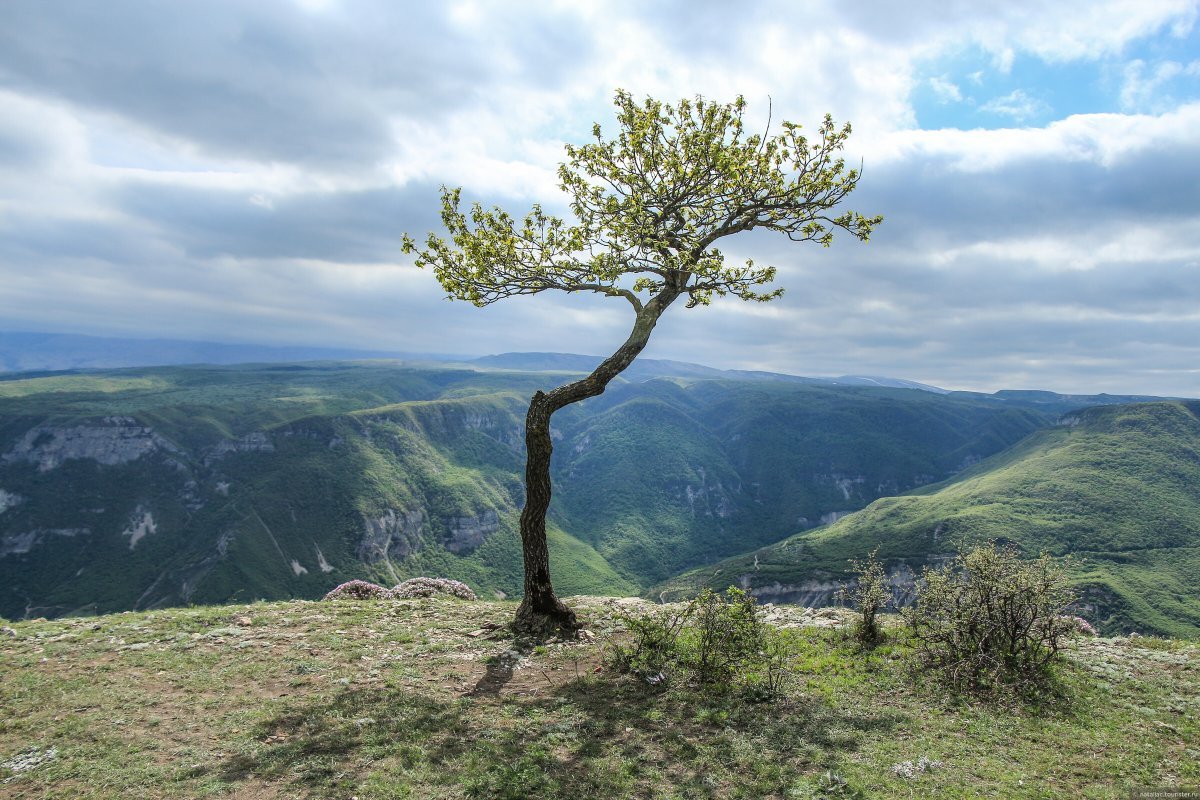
point(29, 760)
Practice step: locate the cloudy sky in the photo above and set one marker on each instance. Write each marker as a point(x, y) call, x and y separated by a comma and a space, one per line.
point(243, 172)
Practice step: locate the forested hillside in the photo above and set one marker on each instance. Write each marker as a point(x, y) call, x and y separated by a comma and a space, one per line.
point(146, 487)
point(1116, 488)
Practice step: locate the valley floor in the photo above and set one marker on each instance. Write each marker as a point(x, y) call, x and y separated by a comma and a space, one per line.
point(434, 699)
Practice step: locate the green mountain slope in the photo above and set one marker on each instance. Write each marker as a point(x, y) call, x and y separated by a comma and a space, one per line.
point(142, 488)
point(1116, 487)
point(659, 476)
point(147, 487)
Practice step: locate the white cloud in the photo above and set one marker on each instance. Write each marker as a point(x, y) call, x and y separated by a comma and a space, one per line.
point(1143, 87)
point(1003, 60)
point(946, 90)
point(244, 171)
point(1016, 104)
point(1102, 139)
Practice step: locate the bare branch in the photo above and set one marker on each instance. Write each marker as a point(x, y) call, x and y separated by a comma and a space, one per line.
point(611, 291)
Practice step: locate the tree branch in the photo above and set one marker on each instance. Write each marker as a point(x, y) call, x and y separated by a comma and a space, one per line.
point(611, 291)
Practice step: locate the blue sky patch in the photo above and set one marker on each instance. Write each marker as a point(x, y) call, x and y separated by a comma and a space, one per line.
point(972, 90)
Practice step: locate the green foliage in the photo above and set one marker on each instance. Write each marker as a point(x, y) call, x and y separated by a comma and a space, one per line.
point(1117, 488)
point(229, 524)
point(716, 642)
point(726, 633)
point(722, 466)
point(870, 594)
point(832, 786)
point(725, 467)
point(69, 384)
point(990, 620)
point(649, 205)
point(654, 646)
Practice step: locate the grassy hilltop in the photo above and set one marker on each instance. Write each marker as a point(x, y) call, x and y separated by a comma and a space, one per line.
point(433, 699)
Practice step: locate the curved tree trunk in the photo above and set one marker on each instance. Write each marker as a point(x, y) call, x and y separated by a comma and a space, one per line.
point(540, 607)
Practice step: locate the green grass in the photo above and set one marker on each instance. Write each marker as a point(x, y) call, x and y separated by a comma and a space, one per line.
point(75, 384)
point(418, 699)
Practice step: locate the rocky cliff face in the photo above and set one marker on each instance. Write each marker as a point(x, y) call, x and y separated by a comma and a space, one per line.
point(255, 442)
point(262, 510)
point(467, 533)
point(710, 498)
point(114, 440)
point(20, 543)
point(822, 592)
point(392, 535)
point(141, 523)
point(109, 491)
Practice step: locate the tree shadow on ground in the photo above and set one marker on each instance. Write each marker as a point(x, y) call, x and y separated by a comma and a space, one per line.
point(595, 736)
point(496, 676)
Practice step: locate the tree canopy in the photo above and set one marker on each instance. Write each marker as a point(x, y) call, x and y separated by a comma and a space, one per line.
point(649, 206)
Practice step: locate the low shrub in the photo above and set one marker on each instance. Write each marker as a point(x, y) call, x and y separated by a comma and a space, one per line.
point(991, 620)
point(716, 642)
point(653, 650)
point(358, 590)
point(870, 595)
point(725, 633)
point(428, 587)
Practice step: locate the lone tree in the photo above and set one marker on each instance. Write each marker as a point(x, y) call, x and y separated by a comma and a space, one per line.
point(649, 206)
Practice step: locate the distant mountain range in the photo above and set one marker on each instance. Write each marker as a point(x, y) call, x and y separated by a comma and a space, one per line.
point(46, 352)
point(649, 368)
point(50, 352)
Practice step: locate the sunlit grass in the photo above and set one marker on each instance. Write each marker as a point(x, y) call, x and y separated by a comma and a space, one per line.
point(416, 699)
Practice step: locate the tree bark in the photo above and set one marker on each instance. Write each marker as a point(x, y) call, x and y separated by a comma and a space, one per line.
point(540, 608)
